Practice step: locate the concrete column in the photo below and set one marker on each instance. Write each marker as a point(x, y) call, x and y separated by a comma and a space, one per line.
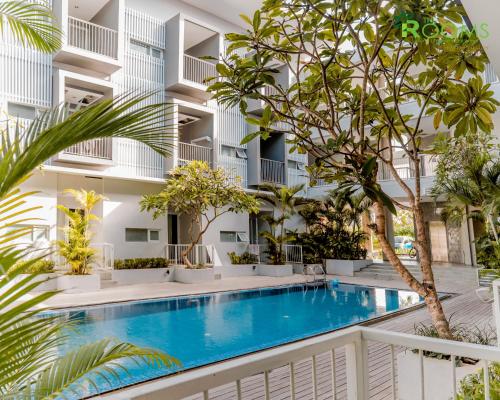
point(365, 221)
point(389, 229)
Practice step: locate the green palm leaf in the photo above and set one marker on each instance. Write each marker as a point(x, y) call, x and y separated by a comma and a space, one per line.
point(33, 24)
point(21, 151)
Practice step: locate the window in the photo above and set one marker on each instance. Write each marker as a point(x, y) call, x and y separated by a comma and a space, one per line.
point(145, 49)
point(136, 235)
point(292, 164)
point(34, 234)
point(241, 153)
point(232, 237)
point(154, 235)
point(21, 111)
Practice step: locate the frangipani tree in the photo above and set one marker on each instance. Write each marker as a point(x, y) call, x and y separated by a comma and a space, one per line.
point(367, 76)
point(202, 193)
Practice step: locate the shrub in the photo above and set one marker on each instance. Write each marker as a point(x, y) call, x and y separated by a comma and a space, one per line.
point(472, 386)
point(38, 267)
point(141, 263)
point(244, 258)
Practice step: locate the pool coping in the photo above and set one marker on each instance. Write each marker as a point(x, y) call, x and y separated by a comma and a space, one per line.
point(380, 318)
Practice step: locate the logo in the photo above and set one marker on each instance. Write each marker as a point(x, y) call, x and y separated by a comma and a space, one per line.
point(425, 29)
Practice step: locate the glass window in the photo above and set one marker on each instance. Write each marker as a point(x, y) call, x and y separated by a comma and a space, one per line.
point(241, 153)
point(154, 235)
point(136, 235)
point(21, 111)
point(242, 237)
point(156, 53)
point(292, 164)
point(139, 47)
point(228, 151)
point(227, 236)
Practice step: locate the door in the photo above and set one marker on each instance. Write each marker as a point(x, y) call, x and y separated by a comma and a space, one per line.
point(173, 229)
point(439, 241)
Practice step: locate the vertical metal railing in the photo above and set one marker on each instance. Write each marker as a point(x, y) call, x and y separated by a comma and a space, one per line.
point(198, 70)
point(489, 74)
point(104, 259)
point(191, 152)
point(199, 255)
point(95, 148)
point(293, 254)
point(92, 37)
point(272, 171)
point(405, 169)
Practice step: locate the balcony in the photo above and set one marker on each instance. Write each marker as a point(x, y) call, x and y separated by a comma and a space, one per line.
point(188, 42)
point(272, 171)
point(94, 152)
point(91, 38)
point(406, 171)
point(192, 152)
point(256, 106)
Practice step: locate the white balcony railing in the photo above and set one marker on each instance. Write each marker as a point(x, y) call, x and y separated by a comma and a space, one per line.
point(490, 76)
point(272, 171)
point(197, 70)
point(192, 152)
point(104, 258)
point(405, 169)
point(101, 148)
point(199, 255)
point(92, 37)
point(293, 253)
point(348, 374)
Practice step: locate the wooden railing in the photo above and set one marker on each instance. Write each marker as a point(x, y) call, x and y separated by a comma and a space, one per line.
point(191, 152)
point(97, 148)
point(272, 171)
point(300, 366)
point(197, 70)
point(92, 37)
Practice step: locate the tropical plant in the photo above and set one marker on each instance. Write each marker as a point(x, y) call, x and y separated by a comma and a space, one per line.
point(31, 23)
point(472, 386)
point(354, 69)
point(75, 248)
point(201, 193)
point(244, 258)
point(141, 263)
point(40, 266)
point(284, 201)
point(333, 228)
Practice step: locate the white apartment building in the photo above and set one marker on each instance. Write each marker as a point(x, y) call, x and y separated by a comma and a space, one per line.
point(116, 46)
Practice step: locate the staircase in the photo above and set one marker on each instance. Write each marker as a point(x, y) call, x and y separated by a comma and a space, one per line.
point(442, 273)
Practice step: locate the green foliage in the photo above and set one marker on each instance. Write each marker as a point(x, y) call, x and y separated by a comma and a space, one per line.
point(488, 252)
point(472, 386)
point(203, 194)
point(141, 263)
point(76, 246)
point(39, 266)
point(244, 258)
point(33, 24)
point(403, 223)
point(334, 228)
point(284, 201)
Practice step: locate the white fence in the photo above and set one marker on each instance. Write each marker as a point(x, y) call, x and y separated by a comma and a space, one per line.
point(105, 256)
point(293, 253)
point(198, 70)
point(347, 375)
point(405, 169)
point(96, 148)
point(92, 37)
point(199, 255)
point(272, 171)
point(191, 152)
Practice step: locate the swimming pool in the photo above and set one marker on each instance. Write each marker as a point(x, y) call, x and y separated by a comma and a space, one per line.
point(200, 330)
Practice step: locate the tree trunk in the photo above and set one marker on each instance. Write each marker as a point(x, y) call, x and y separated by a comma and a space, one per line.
point(426, 289)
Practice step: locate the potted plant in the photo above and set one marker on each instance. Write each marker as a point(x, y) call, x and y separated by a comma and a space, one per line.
point(437, 367)
point(203, 194)
point(75, 248)
point(141, 270)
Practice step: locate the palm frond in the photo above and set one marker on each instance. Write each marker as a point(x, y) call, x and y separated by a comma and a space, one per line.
point(31, 23)
point(55, 130)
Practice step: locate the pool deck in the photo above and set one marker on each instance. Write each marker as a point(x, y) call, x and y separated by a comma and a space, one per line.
point(463, 306)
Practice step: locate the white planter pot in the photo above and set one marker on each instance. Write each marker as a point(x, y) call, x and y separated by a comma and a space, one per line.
point(233, 270)
point(79, 283)
point(274, 270)
point(188, 275)
point(143, 275)
point(49, 282)
point(438, 382)
point(308, 269)
point(345, 267)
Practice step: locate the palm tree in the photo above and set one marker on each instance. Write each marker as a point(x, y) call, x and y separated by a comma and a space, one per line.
point(33, 24)
point(285, 201)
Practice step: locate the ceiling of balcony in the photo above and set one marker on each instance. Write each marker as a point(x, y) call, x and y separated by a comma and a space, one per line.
point(85, 9)
point(228, 9)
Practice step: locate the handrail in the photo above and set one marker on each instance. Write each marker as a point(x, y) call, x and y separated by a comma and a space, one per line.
point(193, 152)
point(92, 37)
point(101, 148)
point(353, 340)
point(198, 70)
point(272, 171)
point(92, 24)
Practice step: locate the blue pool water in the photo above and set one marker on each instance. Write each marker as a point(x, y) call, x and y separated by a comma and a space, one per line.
point(199, 330)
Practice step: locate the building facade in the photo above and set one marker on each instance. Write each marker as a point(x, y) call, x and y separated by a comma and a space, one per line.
point(117, 46)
